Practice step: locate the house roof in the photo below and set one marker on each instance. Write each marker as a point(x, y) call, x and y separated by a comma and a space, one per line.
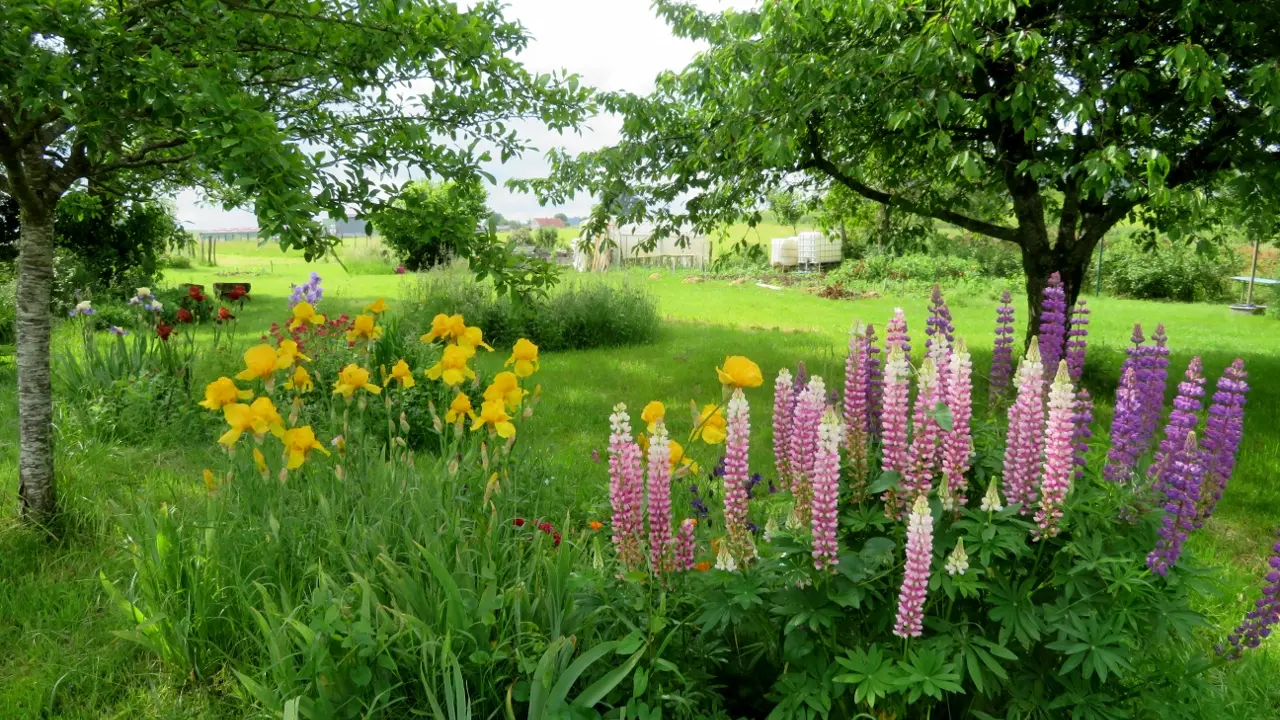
point(549, 222)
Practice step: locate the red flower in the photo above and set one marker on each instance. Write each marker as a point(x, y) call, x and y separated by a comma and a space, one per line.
point(556, 538)
point(225, 314)
point(184, 316)
point(518, 522)
point(164, 331)
point(236, 293)
point(193, 291)
point(546, 527)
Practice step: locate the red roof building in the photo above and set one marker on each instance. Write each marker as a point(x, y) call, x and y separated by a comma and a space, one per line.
point(549, 222)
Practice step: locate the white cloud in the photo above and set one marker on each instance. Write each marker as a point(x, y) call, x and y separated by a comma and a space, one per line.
point(611, 44)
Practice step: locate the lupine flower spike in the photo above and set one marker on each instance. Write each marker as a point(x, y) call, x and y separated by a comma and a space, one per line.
point(826, 491)
point(1053, 324)
point(1058, 454)
point(895, 335)
point(939, 323)
point(958, 560)
point(1184, 418)
point(804, 444)
point(1181, 484)
point(1081, 432)
point(660, 500)
point(1222, 433)
point(1266, 613)
point(1002, 355)
point(957, 442)
point(915, 581)
point(736, 477)
point(926, 436)
point(783, 404)
point(1152, 376)
point(1026, 433)
point(857, 386)
point(896, 399)
point(626, 488)
point(875, 385)
point(1126, 423)
point(991, 499)
point(686, 545)
point(1077, 342)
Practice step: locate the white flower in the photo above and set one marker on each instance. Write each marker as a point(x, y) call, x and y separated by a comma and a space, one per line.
point(83, 305)
point(156, 306)
point(991, 500)
point(725, 561)
point(770, 528)
point(957, 561)
point(144, 292)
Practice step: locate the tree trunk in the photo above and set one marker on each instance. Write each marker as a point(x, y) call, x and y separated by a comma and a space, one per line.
point(1070, 262)
point(35, 401)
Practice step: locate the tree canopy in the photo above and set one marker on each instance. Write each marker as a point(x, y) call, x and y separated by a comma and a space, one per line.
point(1039, 123)
point(430, 222)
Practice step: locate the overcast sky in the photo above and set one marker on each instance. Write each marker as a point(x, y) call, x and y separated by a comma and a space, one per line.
point(611, 44)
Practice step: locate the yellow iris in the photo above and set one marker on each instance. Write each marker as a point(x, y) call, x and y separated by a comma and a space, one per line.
point(711, 425)
point(459, 408)
point(402, 373)
point(288, 351)
point(473, 337)
point(298, 443)
point(240, 419)
point(452, 368)
point(260, 461)
point(222, 392)
point(209, 482)
point(740, 372)
point(652, 413)
point(525, 358)
point(445, 327)
point(266, 418)
point(352, 378)
point(363, 328)
point(493, 413)
point(506, 387)
point(261, 362)
point(377, 307)
point(301, 380)
point(304, 313)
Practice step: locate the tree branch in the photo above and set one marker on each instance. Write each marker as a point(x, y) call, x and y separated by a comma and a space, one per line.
point(142, 157)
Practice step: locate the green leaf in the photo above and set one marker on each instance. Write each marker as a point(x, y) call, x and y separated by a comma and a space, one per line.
point(889, 479)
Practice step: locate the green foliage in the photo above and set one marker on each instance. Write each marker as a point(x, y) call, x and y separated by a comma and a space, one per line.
point(1166, 270)
point(8, 306)
point(521, 236)
point(578, 316)
point(547, 238)
point(787, 207)
point(429, 222)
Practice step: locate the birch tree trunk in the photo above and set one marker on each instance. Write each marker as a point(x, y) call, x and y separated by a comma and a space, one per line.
point(35, 401)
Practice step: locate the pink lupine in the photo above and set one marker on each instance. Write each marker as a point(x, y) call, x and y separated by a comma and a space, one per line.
point(826, 491)
point(686, 544)
point(737, 475)
point(783, 402)
point(897, 390)
point(1026, 433)
point(804, 443)
point(895, 335)
point(626, 489)
point(915, 581)
point(957, 442)
point(857, 418)
point(660, 499)
point(1058, 454)
point(922, 454)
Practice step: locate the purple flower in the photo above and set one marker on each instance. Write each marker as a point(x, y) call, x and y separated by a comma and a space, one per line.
point(1002, 355)
point(1076, 340)
point(1156, 362)
point(1126, 423)
point(1222, 433)
point(895, 335)
point(857, 389)
point(804, 444)
point(1266, 613)
point(939, 321)
point(1181, 484)
point(874, 385)
point(783, 405)
point(1081, 433)
point(686, 545)
point(924, 453)
point(957, 442)
point(311, 291)
point(117, 331)
point(1184, 419)
point(1053, 324)
point(595, 455)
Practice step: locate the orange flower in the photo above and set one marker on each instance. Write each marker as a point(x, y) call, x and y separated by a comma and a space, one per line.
point(702, 566)
point(595, 525)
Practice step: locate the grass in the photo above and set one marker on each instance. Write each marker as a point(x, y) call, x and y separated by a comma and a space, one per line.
point(65, 662)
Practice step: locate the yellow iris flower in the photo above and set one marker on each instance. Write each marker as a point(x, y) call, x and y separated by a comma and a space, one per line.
point(377, 307)
point(445, 327)
point(652, 413)
point(493, 413)
point(712, 427)
point(266, 418)
point(260, 461)
point(304, 313)
point(363, 328)
point(301, 381)
point(352, 378)
point(400, 371)
point(298, 444)
point(452, 368)
point(506, 387)
point(222, 392)
point(740, 372)
point(240, 419)
point(459, 408)
point(288, 351)
point(525, 358)
point(261, 362)
point(473, 337)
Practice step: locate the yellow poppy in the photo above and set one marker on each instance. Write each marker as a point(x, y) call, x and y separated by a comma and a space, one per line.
point(303, 313)
point(240, 419)
point(260, 461)
point(679, 458)
point(289, 353)
point(377, 307)
point(298, 443)
point(506, 387)
point(363, 328)
point(400, 371)
point(493, 413)
point(352, 378)
point(452, 368)
point(209, 481)
point(221, 392)
point(473, 337)
point(301, 380)
point(266, 418)
point(711, 425)
point(738, 371)
point(652, 413)
point(261, 362)
point(525, 358)
point(445, 327)
point(643, 441)
point(460, 407)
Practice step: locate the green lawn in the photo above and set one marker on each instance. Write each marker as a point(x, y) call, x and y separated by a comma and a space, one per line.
point(63, 661)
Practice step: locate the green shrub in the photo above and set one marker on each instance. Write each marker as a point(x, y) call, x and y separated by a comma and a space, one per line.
point(1168, 271)
point(8, 307)
point(577, 316)
point(175, 262)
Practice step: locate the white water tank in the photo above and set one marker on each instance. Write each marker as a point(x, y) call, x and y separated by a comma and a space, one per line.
point(783, 251)
point(813, 248)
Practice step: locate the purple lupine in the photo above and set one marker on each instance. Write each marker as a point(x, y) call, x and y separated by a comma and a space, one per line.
point(1025, 440)
point(783, 404)
point(826, 492)
point(915, 580)
point(895, 335)
point(804, 444)
point(1181, 482)
point(939, 322)
point(1126, 424)
point(686, 545)
point(1133, 354)
point(1156, 362)
point(1257, 624)
point(1184, 418)
point(736, 476)
point(922, 454)
point(1053, 324)
point(626, 489)
point(1002, 354)
point(957, 442)
point(875, 385)
point(897, 389)
point(857, 385)
point(1077, 340)
point(1081, 433)
point(1058, 452)
point(659, 499)
point(1223, 430)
